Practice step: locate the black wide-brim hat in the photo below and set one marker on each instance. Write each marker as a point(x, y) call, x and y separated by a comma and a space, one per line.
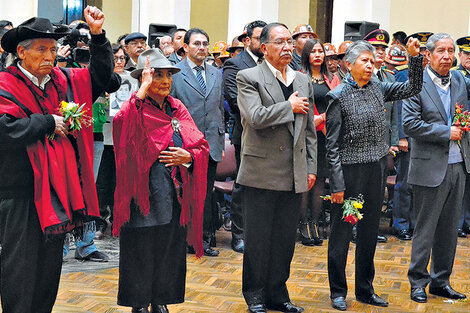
point(34, 28)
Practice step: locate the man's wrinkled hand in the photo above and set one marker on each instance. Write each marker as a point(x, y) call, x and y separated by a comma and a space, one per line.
point(311, 178)
point(94, 18)
point(456, 133)
point(60, 126)
point(299, 104)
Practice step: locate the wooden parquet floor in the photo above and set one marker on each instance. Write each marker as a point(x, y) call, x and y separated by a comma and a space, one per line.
point(214, 284)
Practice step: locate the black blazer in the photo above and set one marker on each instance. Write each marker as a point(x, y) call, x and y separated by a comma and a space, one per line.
point(231, 68)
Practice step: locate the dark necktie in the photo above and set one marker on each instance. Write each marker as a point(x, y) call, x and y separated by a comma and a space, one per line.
point(199, 78)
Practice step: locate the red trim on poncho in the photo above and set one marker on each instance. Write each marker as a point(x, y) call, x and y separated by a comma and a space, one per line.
point(140, 132)
point(54, 162)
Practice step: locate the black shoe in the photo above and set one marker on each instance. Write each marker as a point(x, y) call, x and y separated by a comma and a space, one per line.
point(210, 252)
point(461, 233)
point(305, 234)
point(159, 308)
point(190, 250)
point(466, 229)
point(238, 245)
point(339, 303)
point(94, 257)
point(381, 238)
point(227, 223)
point(403, 234)
point(313, 229)
point(256, 308)
point(140, 310)
point(286, 307)
point(447, 292)
point(373, 299)
point(418, 294)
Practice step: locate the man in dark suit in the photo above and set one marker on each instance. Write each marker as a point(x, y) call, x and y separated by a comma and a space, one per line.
point(278, 163)
point(437, 169)
point(244, 60)
point(176, 40)
point(199, 87)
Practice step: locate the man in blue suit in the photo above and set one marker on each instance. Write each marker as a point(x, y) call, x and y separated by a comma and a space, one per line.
point(437, 171)
point(199, 87)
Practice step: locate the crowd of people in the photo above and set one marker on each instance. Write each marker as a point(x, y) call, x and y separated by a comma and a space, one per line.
point(305, 119)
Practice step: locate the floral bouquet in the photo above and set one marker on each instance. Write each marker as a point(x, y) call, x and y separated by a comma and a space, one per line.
point(461, 119)
point(351, 208)
point(74, 116)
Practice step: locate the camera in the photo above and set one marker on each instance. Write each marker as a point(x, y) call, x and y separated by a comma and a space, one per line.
point(78, 40)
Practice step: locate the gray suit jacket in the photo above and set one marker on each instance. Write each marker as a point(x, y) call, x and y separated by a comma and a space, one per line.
point(425, 121)
point(278, 147)
point(391, 111)
point(206, 110)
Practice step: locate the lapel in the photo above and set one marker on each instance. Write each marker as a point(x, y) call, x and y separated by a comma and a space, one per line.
point(430, 89)
point(273, 89)
point(210, 78)
point(299, 118)
point(454, 87)
point(189, 77)
point(248, 60)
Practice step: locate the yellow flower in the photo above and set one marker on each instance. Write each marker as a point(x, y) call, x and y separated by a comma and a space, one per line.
point(359, 216)
point(63, 105)
point(357, 205)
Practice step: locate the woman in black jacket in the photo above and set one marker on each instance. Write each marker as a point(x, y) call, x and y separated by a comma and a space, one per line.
point(357, 156)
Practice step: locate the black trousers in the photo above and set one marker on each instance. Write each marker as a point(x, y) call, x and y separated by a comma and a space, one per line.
point(236, 209)
point(271, 219)
point(152, 264)
point(365, 179)
point(210, 211)
point(106, 181)
point(30, 265)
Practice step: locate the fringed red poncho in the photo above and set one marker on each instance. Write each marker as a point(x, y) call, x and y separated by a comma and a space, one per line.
point(54, 162)
point(140, 132)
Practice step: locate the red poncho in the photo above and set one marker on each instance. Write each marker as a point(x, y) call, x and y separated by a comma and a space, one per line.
point(140, 132)
point(54, 162)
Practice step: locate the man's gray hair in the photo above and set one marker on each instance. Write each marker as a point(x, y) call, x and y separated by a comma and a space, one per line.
point(26, 43)
point(356, 48)
point(431, 44)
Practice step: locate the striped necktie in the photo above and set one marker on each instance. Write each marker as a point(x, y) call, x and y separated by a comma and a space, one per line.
point(199, 78)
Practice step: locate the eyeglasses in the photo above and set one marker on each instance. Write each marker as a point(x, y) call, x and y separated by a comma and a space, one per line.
point(282, 42)
point(137, 43)
point(120, 59)
point(200, 43)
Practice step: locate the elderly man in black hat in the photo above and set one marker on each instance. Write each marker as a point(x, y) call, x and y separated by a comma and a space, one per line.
point(47, 186)
point(136, 43)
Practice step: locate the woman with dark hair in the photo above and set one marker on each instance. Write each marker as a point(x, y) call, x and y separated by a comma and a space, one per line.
point(314, 64)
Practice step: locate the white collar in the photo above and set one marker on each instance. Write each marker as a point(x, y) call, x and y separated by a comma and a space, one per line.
point(192, 65)
point(290, 74)
point(34, 79)
point(437, 81)
point(252, 55)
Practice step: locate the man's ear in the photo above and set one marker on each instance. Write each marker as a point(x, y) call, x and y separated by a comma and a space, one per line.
point(20, 50)
point(263, 49)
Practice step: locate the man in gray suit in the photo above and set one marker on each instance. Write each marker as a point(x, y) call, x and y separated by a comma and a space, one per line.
point(278, 163)
point(437, 170)
point(199, 87)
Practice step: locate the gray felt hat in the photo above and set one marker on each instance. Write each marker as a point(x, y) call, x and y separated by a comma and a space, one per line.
point(157, 61)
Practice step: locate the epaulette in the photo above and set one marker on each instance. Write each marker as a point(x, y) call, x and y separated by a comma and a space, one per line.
point(454, 68)
point(401, 67)
point(389, 71)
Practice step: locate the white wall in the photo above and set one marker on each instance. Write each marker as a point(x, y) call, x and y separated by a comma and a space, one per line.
point(145, 12)
point(18, 11)
point(376, 11)
point(242, 12)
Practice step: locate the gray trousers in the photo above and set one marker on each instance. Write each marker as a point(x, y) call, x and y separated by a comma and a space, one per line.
point(437, 218)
